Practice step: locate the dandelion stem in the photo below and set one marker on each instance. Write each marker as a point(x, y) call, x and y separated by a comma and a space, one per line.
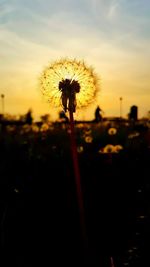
point(78, 181)
point(112, 262)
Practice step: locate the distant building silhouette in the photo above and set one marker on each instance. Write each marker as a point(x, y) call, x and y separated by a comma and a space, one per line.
point(28, 117)
point(98, 116)
point(133, 115)
point(1, 117)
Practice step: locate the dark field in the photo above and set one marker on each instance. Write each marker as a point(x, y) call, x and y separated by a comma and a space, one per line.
point(38, 204)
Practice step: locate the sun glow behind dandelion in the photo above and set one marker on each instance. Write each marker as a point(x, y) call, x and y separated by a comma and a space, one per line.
point(74, 71)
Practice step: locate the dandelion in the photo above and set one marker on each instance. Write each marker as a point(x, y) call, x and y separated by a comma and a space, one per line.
point(35, 128)
point(133, 135)
point(118, 148)
point(88, 132)
point(10, 128)
point(80, 149)
point(16, 190)
point(141, 217)
point(80, 126)
point(112, 131)
point(88, 139)
point(139, 191)
point(101, 151)
point(130, 250)
point(137, 234)
point(44, 127)
point(26, 128)
point(69, 83)
point(108, 149)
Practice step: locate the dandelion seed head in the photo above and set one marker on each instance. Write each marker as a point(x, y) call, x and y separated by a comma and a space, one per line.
point(16, 190)
point(80, 149)
point(133, 135)
point(72, 73)
point(118, 148)
point(112, 131)
point(88, 139)
point(44, 127)
point(108, 149)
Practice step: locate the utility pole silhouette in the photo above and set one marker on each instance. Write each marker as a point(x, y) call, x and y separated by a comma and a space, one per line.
point(3, 103)
point(121, 99)
point(98, 116)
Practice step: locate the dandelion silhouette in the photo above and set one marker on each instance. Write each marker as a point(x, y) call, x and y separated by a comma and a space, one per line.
point(69, 89)
point(68, 83)
point(71, 84)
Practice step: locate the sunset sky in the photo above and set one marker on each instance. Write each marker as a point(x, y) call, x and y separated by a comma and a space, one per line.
point(113, 36)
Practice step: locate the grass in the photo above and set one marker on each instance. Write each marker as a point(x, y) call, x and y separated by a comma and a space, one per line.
point(39, 202)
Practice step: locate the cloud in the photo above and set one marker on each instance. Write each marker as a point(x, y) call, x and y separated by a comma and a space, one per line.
point(6, 9)
point(113, 9)
point(105, 9)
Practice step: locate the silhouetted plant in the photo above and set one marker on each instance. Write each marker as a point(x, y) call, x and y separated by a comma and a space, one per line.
point(71, 84)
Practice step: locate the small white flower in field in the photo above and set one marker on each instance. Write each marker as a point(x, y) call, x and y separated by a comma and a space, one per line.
point(133, 135)
point(111, 149)
point(80, 125)
point(112, 131)
point(54, 147)
point(139, 191)
point(44, 127)
point(100, 151)
point(141, 217)
point(88, 139)
point(107, 149)
point(118, 148)
point(26, 128)
point(130, 250)
point(88, 132)
point(80, 149)
point(10, 128)
point(35, 128)
point(137, 233)
point(16, 190)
